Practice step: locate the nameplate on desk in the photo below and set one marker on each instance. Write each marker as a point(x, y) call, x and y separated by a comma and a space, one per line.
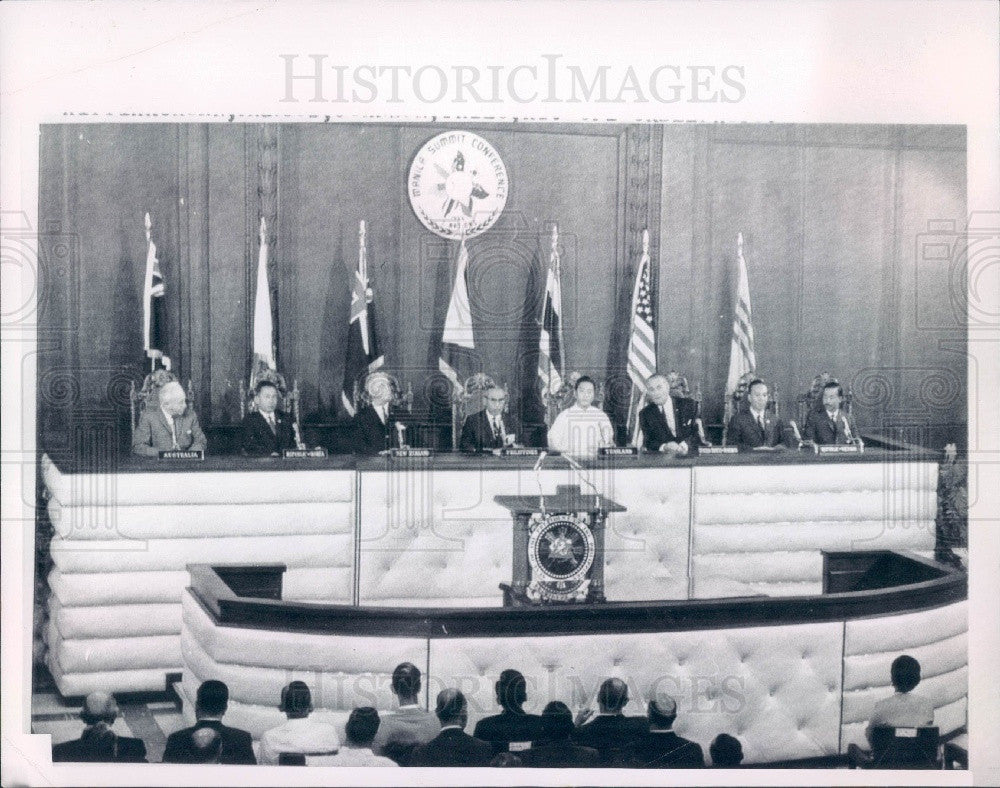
point(618, 451)
point(304, 454)
point(181, 454)
point(718, 450)
point(410, 453)
point(848, 448)
point(518, 451)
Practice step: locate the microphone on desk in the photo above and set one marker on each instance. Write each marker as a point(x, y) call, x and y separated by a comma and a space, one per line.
point(795, 432)
point(401, 434)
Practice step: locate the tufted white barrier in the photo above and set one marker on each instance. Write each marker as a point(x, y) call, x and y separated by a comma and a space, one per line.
point(342, 671)
point(791, 512)
point(438, 538)
point(936, 638)
point(123, 542)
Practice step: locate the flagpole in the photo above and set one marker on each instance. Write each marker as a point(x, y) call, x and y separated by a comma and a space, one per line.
point(558, 275)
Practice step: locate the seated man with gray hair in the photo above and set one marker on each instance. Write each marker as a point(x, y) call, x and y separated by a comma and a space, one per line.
point(100, 744)
point(172, 425)
point(660, 747)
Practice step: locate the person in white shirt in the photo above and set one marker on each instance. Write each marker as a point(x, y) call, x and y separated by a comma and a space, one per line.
point(410, 725)
point(357, 750)
point(905, 708)
point(582, 428)
point(300, 735)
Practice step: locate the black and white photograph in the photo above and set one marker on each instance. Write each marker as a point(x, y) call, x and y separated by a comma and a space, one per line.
point(476, 440)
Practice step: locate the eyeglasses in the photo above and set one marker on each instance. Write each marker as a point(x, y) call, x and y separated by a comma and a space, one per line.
point(496, 399)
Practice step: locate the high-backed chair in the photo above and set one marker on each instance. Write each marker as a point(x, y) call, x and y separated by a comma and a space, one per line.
point(148, 396)
point(813, 399)
point(897, 748)
point(288, 401)
point(738, 401)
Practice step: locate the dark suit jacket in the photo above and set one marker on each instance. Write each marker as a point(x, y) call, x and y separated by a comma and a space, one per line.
point(611, 735)
point(664, 750)
point(560, 755)
point(745, 432)
point(370, 435)
point(656, 432)
point(501, 729)
point(257, 440)
point(121, 749)
point(237, 745)
point(153, 435)
point(452, 747)
point(819, 429)
point(477, 432)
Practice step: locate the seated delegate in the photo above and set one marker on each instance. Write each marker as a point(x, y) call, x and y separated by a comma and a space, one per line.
point(170, 426)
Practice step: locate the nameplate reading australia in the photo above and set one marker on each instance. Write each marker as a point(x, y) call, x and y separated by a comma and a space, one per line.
point(618, 451)
point(521, 451)
point(847, 448)
point(181, 454)
point(718, 450)
point(402, 454)
point(304, 454)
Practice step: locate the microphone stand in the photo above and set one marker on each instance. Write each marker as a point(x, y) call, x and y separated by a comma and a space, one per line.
point(538, 480)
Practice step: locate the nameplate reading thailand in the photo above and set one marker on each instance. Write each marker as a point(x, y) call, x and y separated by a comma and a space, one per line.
point(849, 448)
point(523, 451)
point(618, 451)
point(406, 453)
point(304, 454)
point(180, 454)
point(718, 450)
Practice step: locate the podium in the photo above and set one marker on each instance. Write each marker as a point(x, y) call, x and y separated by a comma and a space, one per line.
point(558, 544)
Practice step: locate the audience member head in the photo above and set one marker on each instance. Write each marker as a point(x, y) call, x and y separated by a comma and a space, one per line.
point(557, 721)
point(173, 400)
point(512, 690)
point(266, 396)
point(206, 745)
point(657, 389)
point(362, 726)
point(612, 696)
point(585, 391)
point(212, 700)
point(406, 683)
point(451, 708)
point(99, 707)
point(296, 700)
point(833, 396)
point(726, 751)
point(757, 395)
point(496, 400)
point(506, 760)
point(662, 711)
point(905, 673)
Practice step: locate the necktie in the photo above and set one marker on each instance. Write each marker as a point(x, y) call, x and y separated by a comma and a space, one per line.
point(271, 424)
point(173, 432)
point(760, 421)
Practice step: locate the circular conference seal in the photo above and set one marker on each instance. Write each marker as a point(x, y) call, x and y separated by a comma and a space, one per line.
point(457, 185)
point(561, 553)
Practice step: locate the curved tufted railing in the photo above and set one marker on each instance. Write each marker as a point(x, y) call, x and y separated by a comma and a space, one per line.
point(792, 678)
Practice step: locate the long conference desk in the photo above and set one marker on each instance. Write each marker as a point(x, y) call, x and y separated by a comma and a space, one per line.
point(377, 536)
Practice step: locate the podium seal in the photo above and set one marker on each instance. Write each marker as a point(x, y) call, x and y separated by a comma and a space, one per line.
point(561, 553)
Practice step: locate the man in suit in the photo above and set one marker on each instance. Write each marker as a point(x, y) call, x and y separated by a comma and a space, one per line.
point(830, 424)
point(399, 732)
point(667, 422)
point(660, 747)
point(266, 431)
point(195, 745)
point(372, 428)
point(726, 752)
point(512, 729)
point(172, 425)
point(489, 428)
point(555, 749)
point(755, 428)
point(610, 732)
point(98, 743)
point(452, 746)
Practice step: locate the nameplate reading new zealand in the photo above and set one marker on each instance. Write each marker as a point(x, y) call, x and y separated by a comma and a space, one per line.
point(181, 454)
point(304, 454)
point(410, 453)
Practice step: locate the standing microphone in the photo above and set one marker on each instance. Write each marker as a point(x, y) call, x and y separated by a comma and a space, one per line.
point(401, 433)
point(538, 480)
point(847, 429)
point(795, 431)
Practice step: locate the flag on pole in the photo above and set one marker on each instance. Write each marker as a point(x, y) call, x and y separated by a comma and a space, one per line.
point(363, 352)
point(457, 341)
point(154, 324)
point(742, 357)
point(263, 326)
point(642, 341)
point(550, 345)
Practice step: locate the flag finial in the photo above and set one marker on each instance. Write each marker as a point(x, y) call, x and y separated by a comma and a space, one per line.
point(555, 236)
point(739, 243)
point(362, 231)
point(645, 241)
point(263, 228)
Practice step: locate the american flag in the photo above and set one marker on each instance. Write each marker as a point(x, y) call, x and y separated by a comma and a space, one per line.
point(153, 317)
point(742, 358)
point(363, 352)
point(550, 364)
point(642, 341)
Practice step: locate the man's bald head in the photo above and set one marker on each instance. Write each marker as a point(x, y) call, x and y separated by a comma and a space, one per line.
point(451, 708)
point(173, 400)
point(99, 707)
point(662, 712)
